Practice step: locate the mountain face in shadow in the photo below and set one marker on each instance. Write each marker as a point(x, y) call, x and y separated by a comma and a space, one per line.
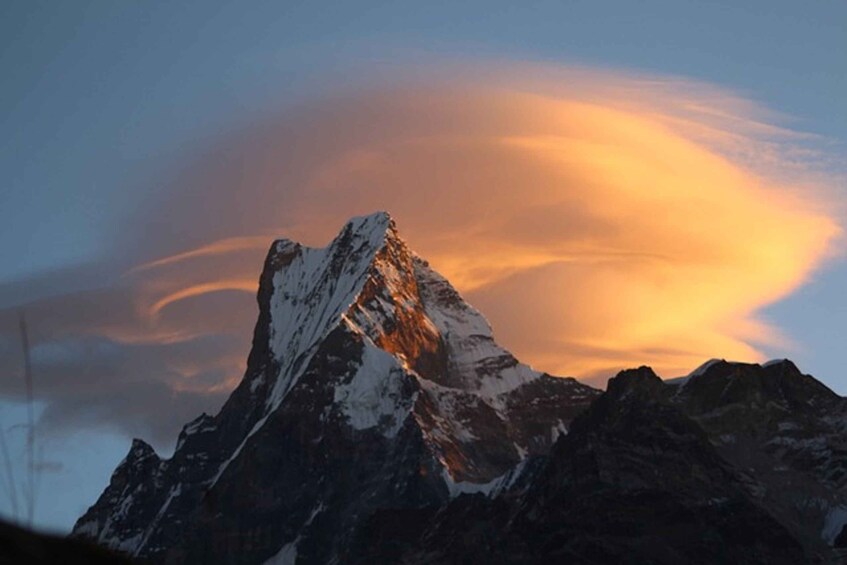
point(379, 422)
point(648, 474)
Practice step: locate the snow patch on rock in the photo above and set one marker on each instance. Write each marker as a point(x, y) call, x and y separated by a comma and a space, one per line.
point(834, 522)
point(287, 555)
point(477, 362)
point(313, 292)
point(489, 489)
point(374, 396)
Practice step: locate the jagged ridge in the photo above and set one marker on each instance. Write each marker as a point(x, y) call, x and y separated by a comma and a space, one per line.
point(366, 366)
point(375, 397)
point(647, 475)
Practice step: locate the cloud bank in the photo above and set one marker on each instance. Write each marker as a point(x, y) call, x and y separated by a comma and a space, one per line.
point(599, 220)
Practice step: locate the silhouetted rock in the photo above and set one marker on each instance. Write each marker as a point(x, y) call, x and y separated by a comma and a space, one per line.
point(23, 547)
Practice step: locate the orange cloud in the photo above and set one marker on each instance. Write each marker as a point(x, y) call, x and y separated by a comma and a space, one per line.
point(599, 220)
point(248, 286)
point(229, 245)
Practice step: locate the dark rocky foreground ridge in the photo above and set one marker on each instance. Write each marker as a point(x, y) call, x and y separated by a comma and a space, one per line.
point(379, 422)
point(20, 546)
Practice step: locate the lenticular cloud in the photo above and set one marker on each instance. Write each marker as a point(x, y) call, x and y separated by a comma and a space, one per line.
point(599, 220)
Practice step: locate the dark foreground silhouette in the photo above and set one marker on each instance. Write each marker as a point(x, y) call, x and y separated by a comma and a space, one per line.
point(19, 546)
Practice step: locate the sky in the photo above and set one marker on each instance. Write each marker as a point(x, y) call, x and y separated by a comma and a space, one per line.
point(629, 182)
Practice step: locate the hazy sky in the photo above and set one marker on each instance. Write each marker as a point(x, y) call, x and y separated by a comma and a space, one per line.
point(120, 118)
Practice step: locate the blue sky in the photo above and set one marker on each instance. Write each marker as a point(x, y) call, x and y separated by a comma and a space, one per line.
point(102, 100)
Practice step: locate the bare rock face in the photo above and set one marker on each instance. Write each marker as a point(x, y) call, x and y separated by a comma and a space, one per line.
point(635, 481)
point(371, 384)
point(787, 434)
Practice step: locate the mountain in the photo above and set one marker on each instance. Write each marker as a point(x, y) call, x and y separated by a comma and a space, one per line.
point(635, 481)
point(370, 385)
point(787, 434)
point(379, 422)
point(737, 463)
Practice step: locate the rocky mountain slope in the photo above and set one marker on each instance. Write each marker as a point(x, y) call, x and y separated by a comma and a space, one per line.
point(379, 422)
point(371, 384)
point(736, 464)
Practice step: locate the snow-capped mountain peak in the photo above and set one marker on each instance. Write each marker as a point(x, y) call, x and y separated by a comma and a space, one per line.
point(375, 397)
point(365, 363)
